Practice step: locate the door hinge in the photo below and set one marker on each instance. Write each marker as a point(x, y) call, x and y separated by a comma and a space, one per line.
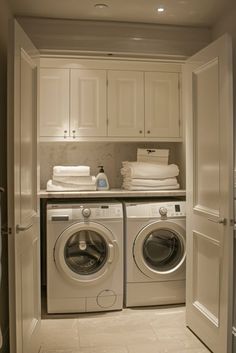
point(107, 82)
point(234, 331)
point(6, 231)
point(107, 122)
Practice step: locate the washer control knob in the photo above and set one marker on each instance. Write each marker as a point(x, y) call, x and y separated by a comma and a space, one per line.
point(86, 212)
point(163, 211)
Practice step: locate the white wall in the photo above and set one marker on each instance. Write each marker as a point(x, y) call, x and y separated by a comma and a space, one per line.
point(5, 14)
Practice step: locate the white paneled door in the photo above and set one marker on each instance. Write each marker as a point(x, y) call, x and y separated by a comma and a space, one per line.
point(24, 262)
point(209, 115)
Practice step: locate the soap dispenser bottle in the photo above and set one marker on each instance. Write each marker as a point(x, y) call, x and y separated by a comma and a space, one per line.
point(101, 179)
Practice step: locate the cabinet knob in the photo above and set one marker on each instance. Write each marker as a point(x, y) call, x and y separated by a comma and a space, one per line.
point(140, 131)
point(73, 132)
point(148, 131)
point(65, 134)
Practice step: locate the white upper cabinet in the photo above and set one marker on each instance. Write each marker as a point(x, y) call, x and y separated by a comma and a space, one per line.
point(82, 99)
point(162, 104)
point(125, 103)
point(88, 116)
point(54, 102)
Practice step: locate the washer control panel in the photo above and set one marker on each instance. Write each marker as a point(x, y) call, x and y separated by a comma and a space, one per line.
point(88, 211)
point(170, 209)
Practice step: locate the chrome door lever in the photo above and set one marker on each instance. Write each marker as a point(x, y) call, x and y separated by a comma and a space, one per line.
point(20, 228)
point(219, 221)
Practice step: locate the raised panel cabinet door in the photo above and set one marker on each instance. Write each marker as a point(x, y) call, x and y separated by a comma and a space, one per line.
point(54, 102)
point(125, 103)
point(162, 104)
point(88, 115)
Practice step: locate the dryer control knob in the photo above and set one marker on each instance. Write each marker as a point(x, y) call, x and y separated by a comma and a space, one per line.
point(163, 211)
point(86, 212)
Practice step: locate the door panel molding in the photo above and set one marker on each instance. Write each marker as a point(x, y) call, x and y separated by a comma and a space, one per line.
point(206, 294)
point(205, 312)
point(206, 166)
point(88, 111)
point(125, 103)
point(205, 211)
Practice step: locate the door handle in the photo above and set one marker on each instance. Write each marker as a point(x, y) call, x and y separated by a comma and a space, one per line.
point(20, 228)
point(219, 221)
point(111, 253)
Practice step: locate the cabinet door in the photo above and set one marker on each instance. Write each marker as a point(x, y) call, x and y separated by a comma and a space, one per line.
point(125, 103)
point(162, 104)
point(88, 103)
point(54, 102)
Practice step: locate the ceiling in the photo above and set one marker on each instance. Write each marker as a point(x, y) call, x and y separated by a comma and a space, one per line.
point(176, 12)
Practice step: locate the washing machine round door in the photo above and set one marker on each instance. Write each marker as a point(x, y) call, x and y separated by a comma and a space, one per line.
point(86, 252)
point(159, 248)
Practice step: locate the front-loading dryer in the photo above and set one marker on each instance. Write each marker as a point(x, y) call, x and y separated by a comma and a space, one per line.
point(155, 236)
point(84, 257)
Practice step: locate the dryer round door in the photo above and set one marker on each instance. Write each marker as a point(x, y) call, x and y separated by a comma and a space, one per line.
point(86, 252)
point(159, 248)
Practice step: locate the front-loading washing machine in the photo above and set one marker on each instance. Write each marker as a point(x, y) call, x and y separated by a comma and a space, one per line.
point(84, 257)
point(155, 236)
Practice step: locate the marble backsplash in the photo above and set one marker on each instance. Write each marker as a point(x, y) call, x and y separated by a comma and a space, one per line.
point(108, 154)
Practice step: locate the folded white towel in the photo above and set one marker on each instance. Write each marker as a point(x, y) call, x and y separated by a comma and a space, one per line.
point(139, 170)
point(150, 182)
point(139, 188)
point(79, 170)
point(52, 187)
point(75, 180)
point(71, 185)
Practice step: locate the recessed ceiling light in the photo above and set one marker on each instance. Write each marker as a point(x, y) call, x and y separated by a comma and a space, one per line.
point(101, 6)
point(160, 9)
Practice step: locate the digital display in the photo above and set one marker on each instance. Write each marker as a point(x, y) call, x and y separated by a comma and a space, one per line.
point(104, 206)
point(177, 208)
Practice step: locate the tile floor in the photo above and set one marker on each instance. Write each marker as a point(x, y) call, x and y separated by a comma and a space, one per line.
point(141, 330)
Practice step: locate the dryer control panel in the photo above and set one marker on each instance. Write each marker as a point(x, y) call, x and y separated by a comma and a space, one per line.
point(172, 209)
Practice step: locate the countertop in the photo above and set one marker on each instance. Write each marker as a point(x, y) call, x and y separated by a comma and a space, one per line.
point(117, 193)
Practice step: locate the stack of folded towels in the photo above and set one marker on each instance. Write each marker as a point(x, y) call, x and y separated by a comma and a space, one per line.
point(71, 178)
point(149, 176)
